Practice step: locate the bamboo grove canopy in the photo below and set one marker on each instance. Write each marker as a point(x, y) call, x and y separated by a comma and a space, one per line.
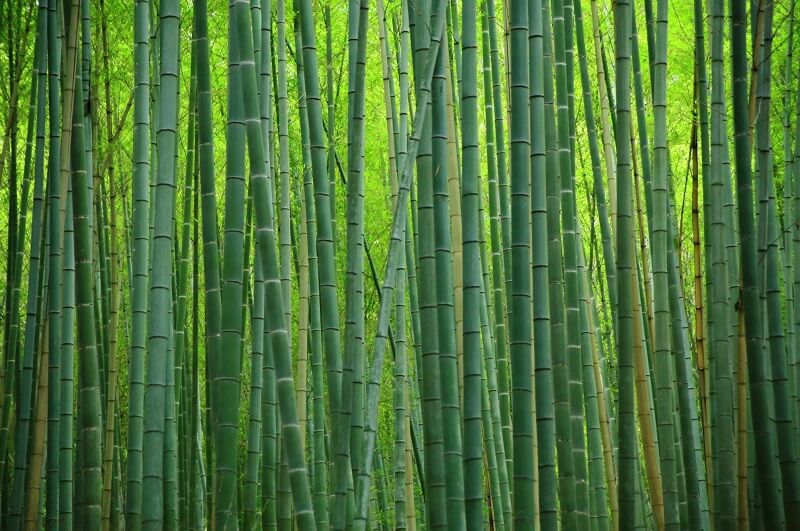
point(410, 264)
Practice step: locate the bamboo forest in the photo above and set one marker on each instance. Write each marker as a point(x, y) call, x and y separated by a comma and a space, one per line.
point(359, 265)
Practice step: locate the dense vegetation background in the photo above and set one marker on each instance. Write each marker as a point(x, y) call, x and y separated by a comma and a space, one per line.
point(399, 264)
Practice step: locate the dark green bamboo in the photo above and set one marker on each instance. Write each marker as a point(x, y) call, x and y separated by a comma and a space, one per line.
point(54, 295)
point(473, 474)
point(768, 239)
point(520, 309)
point(139, 258)
point(763, 433)
point(430, 385)
point(26, 379)
point(89, 404)
point(625, 266)
point(225, 383)
point(497, 282)
point(718, 317)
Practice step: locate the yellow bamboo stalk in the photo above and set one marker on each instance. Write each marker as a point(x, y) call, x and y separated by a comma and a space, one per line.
point(605, 425)
point(301, 369)
point(741, 424)
point(454, 191)
point(39, 439)
point(111, 400)
point(699, 310)
point(605, 119)
point(387, 100)
point(644, 407)
point(645, 253)
point(411, 515)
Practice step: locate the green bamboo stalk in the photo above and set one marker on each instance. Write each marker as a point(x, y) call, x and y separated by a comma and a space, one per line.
point(625, 266)
point(159, 320)
point(66, 418)
point(348, 442)
point(700, 324)
point(55, 272)
point(721, 408)
point(599, 516)
point(763, 434)
point(225, 383)
point(251, 483)
point(139, 274)
point(661, 304)
point(520, 334)
point(89, 408)
point(211, 269)
point(570, 243)
point(444, 296)
point(498, 281)
point(566, 489)
point(181, 302)
point(505, 227)
point(290, 434)
point(325, 236)
point(769, 234)
point(788, 211)
point(27, 382)
point(321, 464)
point(696, 474)
point(473, 483)
point(796, 242)
point(430, 370)
point(545, 415)
point(415, 144)
point(401, 473)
